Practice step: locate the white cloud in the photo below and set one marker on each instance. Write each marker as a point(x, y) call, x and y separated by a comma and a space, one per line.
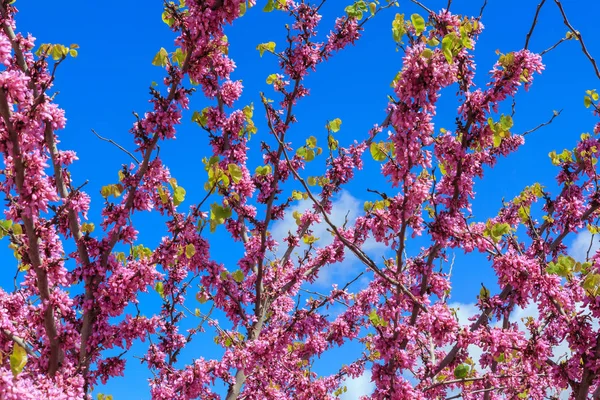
point(357, 387)
point(344, 208)
point(464, 311)
point(581, 244)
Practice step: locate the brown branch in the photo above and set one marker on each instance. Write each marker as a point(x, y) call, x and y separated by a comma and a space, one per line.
point(351, 246)
point(422, 6)
point(130, 154)
point(588, 375)
point(555, 45)
point(482, 318)
point(482, 9)
point(554, 115)
point(89, 315)
point(33, 248)
point(533, 24)
point(20, 342)
point(579, 37)
point(458, 396)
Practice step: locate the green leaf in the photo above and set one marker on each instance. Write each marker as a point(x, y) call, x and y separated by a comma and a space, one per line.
point(442, 168)
point(376, 320)
point(587, 101)
point(167, 18)
point(160, 289)
point(296, 195)
point(17, 229)
point(179, 56)
point(506, 122)
point(484, 293)
point(160, 59)
point(190, 250)
point(332, 143)
point(58, 51)
point(111, 190)
point(220, 212)
point(18, 359)
point(269, 46)
point(270, 6)
point(310, 155)
point(238, 276)
point(263, 170)
point(201, 118)
point(461, 371)
point(427, 53)
point(498, 230)
point(272, 78)
point(164, 198)
point(235, 172)
point(372, 8)
point(311, 142)
point(218, 215)
point(447, 46)
point(398, 29)
point(418, 22)
point(309, 239)
point(178, 195)
point(335, 125)
point(378, 151)
point(73, 53)
point(201, 297)
point(312, 181)
point(433, 42)
point(87, 227)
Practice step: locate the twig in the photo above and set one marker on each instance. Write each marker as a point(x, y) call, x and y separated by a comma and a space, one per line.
point(422, 6)
point(123, 149)
point(20, 342)
point(554, 115)
point(579, 37)
point(534, 23)
point(351, 246)
point(458, 396)
point(555, 45)
point(587, 253)
point(481, 10)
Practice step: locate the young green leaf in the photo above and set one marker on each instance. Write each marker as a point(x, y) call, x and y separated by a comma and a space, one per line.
point(461, 371)
point(18, 359)
point(235, 172)
point(269, 46)
point(418, 22)
point(335, 125)
point(190, 250)
point(161, 58)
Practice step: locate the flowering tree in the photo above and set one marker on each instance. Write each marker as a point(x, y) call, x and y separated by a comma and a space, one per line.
point(78, 288)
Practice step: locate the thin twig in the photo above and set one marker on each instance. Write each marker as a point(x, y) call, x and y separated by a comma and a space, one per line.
point(458, 396)
point(422, 6)
point(554, 115)
point(20, 342)
point(481, 9)
point(579, 37)
point(534, 23)
point(123, 149)
point(555, 45)
point(351, 246)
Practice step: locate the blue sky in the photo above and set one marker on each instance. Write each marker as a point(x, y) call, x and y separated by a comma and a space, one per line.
point(111, 76)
